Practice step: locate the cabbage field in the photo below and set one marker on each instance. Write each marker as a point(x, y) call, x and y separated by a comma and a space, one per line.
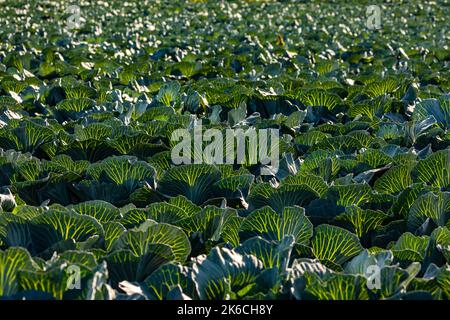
point(120, 178)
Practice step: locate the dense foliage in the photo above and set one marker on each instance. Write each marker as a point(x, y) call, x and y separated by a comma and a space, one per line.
point(87, 182)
